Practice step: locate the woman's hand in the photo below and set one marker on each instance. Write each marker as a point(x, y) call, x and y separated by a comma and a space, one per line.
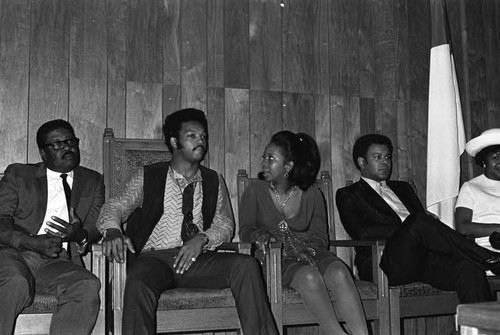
point(308, 255)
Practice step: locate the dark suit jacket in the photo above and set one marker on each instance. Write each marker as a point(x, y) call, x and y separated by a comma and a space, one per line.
point(23, 202)
point(366, 216)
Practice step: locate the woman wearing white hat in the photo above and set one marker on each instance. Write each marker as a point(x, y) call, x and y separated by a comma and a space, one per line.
point(477, 211)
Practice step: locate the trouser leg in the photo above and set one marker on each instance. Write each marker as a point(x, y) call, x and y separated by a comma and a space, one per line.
point(406, 251)
point(17, 288)
point(147, 277)
point(457, 274)
point(242, 274)
point(77, 293)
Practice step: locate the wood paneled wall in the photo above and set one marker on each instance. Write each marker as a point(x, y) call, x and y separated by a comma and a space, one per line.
point(332, 68)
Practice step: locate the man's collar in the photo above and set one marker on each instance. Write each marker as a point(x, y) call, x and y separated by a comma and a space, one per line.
point(196, 177)
point(55, 175)
point(374, 183)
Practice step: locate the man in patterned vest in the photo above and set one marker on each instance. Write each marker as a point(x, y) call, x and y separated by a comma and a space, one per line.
point(179, 213)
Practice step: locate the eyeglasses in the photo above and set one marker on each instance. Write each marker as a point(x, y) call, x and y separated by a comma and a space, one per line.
point(59, 145)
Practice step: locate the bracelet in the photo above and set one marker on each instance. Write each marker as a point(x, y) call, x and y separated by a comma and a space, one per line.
point(205, 236)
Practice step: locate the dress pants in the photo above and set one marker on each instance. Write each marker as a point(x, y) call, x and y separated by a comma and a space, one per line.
point(25, 272)
point(425, 250)
point(151, 273)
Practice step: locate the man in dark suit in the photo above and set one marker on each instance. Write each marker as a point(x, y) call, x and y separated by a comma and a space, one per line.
point(47, 217)
point(419, 247)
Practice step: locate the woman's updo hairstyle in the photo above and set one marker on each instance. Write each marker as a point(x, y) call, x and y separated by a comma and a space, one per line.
point(303, 151)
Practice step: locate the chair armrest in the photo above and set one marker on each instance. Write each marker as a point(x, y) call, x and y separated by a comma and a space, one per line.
point(241, 247)
point(356, 243)
point(98, 264)
point(273, 273)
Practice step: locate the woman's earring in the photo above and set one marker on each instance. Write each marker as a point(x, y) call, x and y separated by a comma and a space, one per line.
point(484, 166)
point(286, 174)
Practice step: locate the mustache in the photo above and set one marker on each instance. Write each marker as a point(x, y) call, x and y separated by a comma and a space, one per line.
point(200, 146)
point(68, 153)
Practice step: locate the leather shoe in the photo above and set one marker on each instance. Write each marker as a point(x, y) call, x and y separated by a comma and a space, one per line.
point(493, 264)
point(495, 240)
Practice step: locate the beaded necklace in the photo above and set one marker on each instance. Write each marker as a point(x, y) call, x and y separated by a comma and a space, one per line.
point(282, 203)
point(291, 244)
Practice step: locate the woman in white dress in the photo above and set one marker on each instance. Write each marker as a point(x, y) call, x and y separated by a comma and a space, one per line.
point(477, 211)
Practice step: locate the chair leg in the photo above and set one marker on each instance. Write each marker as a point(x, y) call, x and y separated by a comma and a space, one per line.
point(395, 317)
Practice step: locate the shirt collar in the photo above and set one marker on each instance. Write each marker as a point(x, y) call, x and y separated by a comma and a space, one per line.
point(196, 178)
point(53, 175)
point(374, 184)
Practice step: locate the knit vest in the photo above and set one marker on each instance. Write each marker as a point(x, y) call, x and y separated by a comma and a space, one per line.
point(143, 220)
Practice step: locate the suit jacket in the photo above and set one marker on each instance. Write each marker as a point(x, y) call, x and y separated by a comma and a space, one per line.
point(366, 216)
point(23, 202)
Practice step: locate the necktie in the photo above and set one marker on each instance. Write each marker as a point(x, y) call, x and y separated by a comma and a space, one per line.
point(67, 190)
point(189, 229)
point(393, 201)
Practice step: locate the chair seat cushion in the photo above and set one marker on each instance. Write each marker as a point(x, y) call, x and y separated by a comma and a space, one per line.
point(188, 298)
point(43, 303)
point(367, 291)
point(420, 290)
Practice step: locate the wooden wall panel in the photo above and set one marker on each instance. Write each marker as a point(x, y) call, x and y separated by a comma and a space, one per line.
point(15, 17)
point(87, 86)
point(404, 138)
point(265, 44)
point(322, 125)
point(419, 49)
point(172, 43)
point(367, 116)
point(215, 43)
point(116, 15)
point(236, 44)
point(402, 79)
point(344, 47)
point(216, 129)
point(476, 51)
point(366, 50)
point(194, 44)
point(236, 118)
point(298, 112)
point(491, 15)
point(384, 35)
point(145, 36)
point(49, 53)
point(266, 118)
point(305, 41)
point(418, 128)
point(144, 110)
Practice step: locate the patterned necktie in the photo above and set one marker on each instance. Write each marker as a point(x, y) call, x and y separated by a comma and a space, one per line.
point(67, 190)
point(189, 229)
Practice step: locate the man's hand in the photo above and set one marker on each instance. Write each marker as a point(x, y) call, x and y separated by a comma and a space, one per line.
point(71, 231)
point(189, 252)
point(115, 245)
point(45, 245)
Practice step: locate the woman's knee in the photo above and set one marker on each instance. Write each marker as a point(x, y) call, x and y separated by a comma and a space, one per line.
point(307, 278)
point(337, 273)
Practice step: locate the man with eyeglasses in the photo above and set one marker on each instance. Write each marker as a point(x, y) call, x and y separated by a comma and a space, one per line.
point(47, 216)
point(179, 213)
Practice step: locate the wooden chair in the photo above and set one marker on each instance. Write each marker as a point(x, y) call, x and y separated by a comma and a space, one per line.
point(36, 318)
point(286, 303)
point(179, 310)
point(419, 299)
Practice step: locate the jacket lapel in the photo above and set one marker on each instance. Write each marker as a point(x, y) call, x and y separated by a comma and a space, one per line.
point(376, 201)
point(41, 182)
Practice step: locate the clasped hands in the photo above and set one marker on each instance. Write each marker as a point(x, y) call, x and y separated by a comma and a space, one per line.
point(49, 245)
point(116, 244)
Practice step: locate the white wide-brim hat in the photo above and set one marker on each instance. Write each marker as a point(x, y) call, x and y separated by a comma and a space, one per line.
point(487, 138)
